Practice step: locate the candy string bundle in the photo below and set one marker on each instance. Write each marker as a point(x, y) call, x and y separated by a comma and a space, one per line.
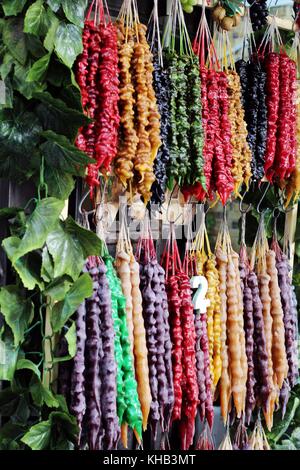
point(97, 77)
point(183, 337)
point(186, 134)
point(156, 316)
point(140, 120)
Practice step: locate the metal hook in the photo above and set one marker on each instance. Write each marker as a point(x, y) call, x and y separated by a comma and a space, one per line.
point(244, 211)
point(262, 198)
point(82, 211)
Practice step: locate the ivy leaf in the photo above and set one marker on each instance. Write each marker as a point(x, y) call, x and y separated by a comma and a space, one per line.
point(66, 252)
point(281, 425)
point(13, 7)
point(8, 402)
point(66, 423)
point(51, 33)
point(35, 46)
point(54, 5)
point(14, 39)
point(47, 268)
point(35, 18)
point(28, 267)
point(39, 225)
point(11, 431)
point(295, 437)
point(60, 184)
point(6, 66)
point(58, 288)
point(9, 212)
point(17, 311)
point(20, 83)
point(38, 436)
point(70, 245)
point(60, 154)
point(27, 364)
point(40, 394)
point(55, 115)
point(89, 241)
point(75, 12)
point(19, 135)
point(68, 43)
point(8, 358)
point(63, 310)
point(71, 339)
point(38, 70)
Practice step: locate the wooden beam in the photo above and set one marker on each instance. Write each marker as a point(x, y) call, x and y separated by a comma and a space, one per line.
point(289, 234)
point(50, 371)
point(284, 23)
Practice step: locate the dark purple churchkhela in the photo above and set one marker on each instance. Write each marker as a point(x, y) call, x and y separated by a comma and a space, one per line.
point(249, 333)
point(167, 347)
point(78, 401)
point(108, 368)
point(146, 275)
point(160, 343)
point(93, 356)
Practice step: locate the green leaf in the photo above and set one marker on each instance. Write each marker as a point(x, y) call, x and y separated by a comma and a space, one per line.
point(90, 243)
point(38, 70)
point(14, 39)
point(17, 310)
point(38, 436)
point(40, 394)
point(28, 267)
point(58, 288)
point(35, 18)
point(47, 268)
point(71, 339)
point(70, 245)
point(8, 402)
point(55, 115)
point(63, 310)
point(6, 66)
point(13, 7)
point(60, 184)
point(27, 364)
point(9, 212)
point(54, 5)
point(19, 135)
point(6, 98)
point(66, 252)
point(39, 225)
point(20, 83)
point(11, 430)
point(68, 43)
point(281, 425)
point(75, 12)
point(66, 423)
point(35, 46)
point(8, 358)
point(62, 155)
point(295, 437)
point(51, 33)
point(285, 445)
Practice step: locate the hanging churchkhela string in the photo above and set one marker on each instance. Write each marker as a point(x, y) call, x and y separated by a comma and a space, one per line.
point(97, 77)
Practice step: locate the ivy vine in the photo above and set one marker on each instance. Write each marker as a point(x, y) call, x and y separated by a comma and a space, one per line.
point(40, 114)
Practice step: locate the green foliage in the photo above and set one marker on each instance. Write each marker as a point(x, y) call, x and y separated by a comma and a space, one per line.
point(64, 309)
point(39, 121)
point(17, 311)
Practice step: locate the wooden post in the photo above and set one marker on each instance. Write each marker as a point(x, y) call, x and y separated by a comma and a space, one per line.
point(289, 234)
point(50, 371)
